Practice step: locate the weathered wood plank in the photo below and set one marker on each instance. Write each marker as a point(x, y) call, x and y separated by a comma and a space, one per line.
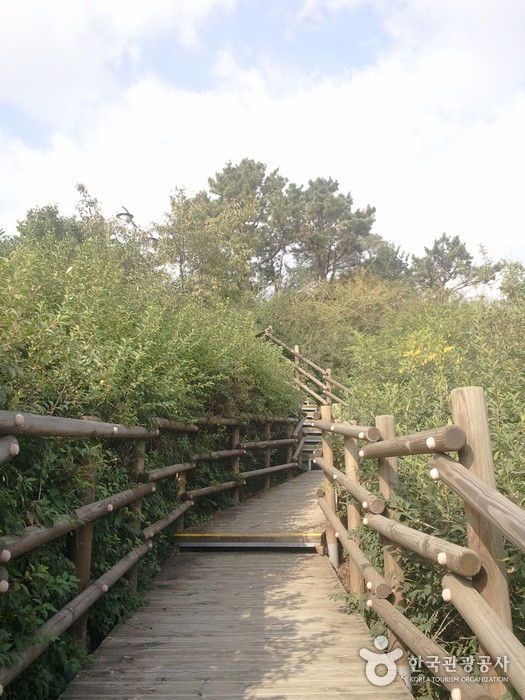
point(232, 625)
point(265, 624)
point(290, 507)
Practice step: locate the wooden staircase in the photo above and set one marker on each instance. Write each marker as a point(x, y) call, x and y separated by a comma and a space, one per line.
point(312, 437)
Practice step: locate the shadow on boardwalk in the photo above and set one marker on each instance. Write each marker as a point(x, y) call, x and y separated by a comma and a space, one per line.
point(237, 626)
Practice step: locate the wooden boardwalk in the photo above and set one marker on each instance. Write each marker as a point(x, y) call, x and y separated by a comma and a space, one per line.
point(242, 624)
point(286, 516)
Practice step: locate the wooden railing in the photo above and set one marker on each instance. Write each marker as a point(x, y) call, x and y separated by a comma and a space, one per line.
point(316, 381)
point(475, 576)
point(14, 427)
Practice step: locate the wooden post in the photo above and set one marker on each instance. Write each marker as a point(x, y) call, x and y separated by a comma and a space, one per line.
point(179, 522)
point(353, 512)
point(493, 634)
point(328, 387)
point(469, 411)
point(326, 444)
point(81, 552)
point(236, 438)
point(267, 455)
point(136, 469)
point(289, 452)
point(388, 484)
point(296, 362)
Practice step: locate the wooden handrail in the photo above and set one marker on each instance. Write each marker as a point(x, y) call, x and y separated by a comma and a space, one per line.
point(218, 454)
point(368, 500)
point(334, 397)
point(450, 438)
point(460, 560)
point(20, 424)
point(292, 352)
point(35, 535)
point(505, 515)
point(209, 490)
point(330, 380)
point(373, 579)
point(427, 649)
point(4, 580)
point(265, 443)
point(326, 383)
point(371, 434)
point(298, 427)
point(63, 619)
point(165, 472)
point(153, 529)
point(267, 470)
point(311, 392)
point(477, 602)
point(299, 449)
point(9, 448)
point(13, 423)
point(311, 377)
point(495, 636)
point(175, 425)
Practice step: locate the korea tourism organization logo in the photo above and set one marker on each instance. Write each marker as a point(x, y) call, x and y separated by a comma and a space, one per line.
point(376, 660)
point(381, 668)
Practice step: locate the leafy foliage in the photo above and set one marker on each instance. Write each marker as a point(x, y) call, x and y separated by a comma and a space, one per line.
point(401, 353)
point(97, 321)
point(448, 264)
point(90, 326)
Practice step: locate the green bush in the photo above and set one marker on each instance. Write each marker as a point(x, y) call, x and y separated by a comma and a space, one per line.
point(90, 327)
point(401, 353)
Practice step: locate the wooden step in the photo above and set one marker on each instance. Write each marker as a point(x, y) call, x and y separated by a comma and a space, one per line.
point(248, 540)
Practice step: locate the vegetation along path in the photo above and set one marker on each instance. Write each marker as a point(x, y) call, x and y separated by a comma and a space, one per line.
point(257, 623)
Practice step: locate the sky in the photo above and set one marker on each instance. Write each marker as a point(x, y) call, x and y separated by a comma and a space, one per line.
point(416, 107)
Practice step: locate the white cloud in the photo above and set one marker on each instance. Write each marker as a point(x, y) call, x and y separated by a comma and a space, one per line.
point(64, 57)
point(431, 134)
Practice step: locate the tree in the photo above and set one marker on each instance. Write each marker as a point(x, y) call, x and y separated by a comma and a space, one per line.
point(259, 231)
point(513, 282)
point(47, 222)
point(273, 206)
point(332, 235)
point(384, 259)
point(449, 265)
point(174, 237)
point(203, 246)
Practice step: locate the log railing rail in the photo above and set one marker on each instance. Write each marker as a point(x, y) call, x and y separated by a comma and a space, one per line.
point(325, 385)
point(475, 579)
point(15, 425)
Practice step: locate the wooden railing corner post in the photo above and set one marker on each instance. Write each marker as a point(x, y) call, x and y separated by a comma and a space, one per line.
point(136, 469)
point(388, 484)
point(289, 452)
point(236, 460)
point(326, 444)
point(328, 387)
point(353, 511)
point(81, 551)
point(296, 361)
point(469, 411)
point(267, 454)
point(179, 522)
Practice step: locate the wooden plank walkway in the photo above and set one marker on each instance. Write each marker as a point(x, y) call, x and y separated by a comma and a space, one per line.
point(239, 625)
point(286, 516)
